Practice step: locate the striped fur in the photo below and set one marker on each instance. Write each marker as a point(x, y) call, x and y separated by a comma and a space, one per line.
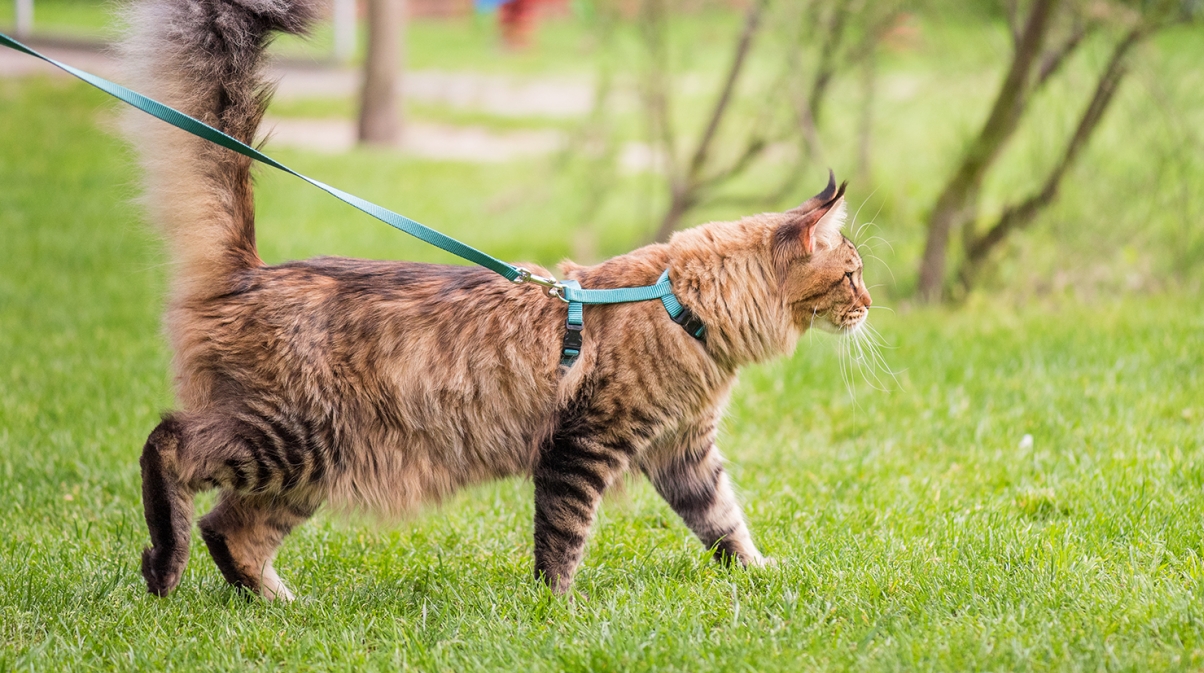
point(380, 386)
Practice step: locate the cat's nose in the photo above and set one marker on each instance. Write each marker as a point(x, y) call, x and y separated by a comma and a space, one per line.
point(865, 298)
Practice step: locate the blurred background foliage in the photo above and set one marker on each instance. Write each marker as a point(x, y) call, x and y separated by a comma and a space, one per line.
point(704, 110)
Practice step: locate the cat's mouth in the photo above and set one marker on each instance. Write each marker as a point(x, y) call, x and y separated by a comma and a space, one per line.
point(845, 323)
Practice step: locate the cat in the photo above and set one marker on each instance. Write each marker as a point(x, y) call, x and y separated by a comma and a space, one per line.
point(379, 386)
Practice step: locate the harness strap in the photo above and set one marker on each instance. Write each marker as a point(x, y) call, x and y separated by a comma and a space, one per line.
point(680, 314)
point(620, 295)
point(574, 324)
point(571, 347)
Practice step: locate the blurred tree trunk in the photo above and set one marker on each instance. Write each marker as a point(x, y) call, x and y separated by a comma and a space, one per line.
point(380, 120)
point(23, 19)
point(1017, 216)
point(958, 202)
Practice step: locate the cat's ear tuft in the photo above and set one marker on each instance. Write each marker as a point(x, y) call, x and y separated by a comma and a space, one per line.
point(819, 218)
point(821, 198)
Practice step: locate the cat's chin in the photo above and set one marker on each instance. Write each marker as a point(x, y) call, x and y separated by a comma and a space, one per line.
point(826, 325)
point(846, 328)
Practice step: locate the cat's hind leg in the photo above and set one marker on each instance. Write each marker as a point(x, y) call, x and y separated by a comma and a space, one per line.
point(167, 504)
point(265, 469)
point(243, 533)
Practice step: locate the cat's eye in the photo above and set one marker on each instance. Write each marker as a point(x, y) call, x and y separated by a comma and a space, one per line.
point(852, 283)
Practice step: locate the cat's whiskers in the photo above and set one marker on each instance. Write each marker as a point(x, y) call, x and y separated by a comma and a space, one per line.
point(858, 227)
point(845, 374)
point(885, 242)
point(875, 362)
point(869, 243)
point(875, 343)
point(868, 358)
point(865, 364)
point(884, 265)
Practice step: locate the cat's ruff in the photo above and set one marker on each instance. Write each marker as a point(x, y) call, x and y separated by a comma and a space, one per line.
point(568, 291)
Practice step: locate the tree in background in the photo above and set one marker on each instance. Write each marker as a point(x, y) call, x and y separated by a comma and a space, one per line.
point(1043, 38)
point(837, 36)
point(380, 121)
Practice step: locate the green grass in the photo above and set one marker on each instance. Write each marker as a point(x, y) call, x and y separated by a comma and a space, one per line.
point(913, 530)
point(81, 19)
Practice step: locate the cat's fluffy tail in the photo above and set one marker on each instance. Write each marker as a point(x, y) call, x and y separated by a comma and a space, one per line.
point(203, 57)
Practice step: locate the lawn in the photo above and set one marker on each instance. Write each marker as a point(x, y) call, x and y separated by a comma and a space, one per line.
point(916, 528)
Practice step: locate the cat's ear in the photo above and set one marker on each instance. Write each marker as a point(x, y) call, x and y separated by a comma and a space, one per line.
point(821, 198)
point(819, 218)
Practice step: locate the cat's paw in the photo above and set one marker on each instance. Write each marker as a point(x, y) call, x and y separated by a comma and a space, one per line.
point(160, 577)
point(760, 562)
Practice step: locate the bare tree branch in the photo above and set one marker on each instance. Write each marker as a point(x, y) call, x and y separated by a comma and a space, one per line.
point(833, 39)
point(705, 174)
point(809, 107)
point(752, 21)
point(684, 190)
point(866, 57)
point(865, 121)
point(1052, 62)
point(958, 201)
point(1018, 216)
point(752, 149)
point(657, 85)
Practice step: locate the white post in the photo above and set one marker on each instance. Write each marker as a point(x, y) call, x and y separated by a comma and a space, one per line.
point(24, 18)
point(345, 29)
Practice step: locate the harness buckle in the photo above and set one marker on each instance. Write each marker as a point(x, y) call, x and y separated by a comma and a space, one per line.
point(572, 337)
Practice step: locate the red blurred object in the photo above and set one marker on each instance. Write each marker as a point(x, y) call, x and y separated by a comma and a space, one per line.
point(517, 20)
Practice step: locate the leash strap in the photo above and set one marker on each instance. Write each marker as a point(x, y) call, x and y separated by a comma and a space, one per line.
point(203, 130)
point(569, 291)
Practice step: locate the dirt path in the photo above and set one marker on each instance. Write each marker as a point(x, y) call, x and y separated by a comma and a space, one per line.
point(430, 141)
point(491, 94)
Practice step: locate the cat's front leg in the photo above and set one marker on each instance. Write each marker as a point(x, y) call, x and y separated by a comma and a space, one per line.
point(570, 478)
point(691, 478)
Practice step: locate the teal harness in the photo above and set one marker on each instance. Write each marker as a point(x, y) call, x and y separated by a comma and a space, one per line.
point(569, 291)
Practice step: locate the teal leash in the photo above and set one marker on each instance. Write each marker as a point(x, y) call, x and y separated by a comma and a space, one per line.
point(569, 291)
point(203, 130)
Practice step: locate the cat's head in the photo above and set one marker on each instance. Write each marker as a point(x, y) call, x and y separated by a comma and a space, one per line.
point(818, 267)
point(760, 282)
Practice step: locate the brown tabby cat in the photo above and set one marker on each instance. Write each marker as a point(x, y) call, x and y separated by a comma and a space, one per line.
point(379, 386)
